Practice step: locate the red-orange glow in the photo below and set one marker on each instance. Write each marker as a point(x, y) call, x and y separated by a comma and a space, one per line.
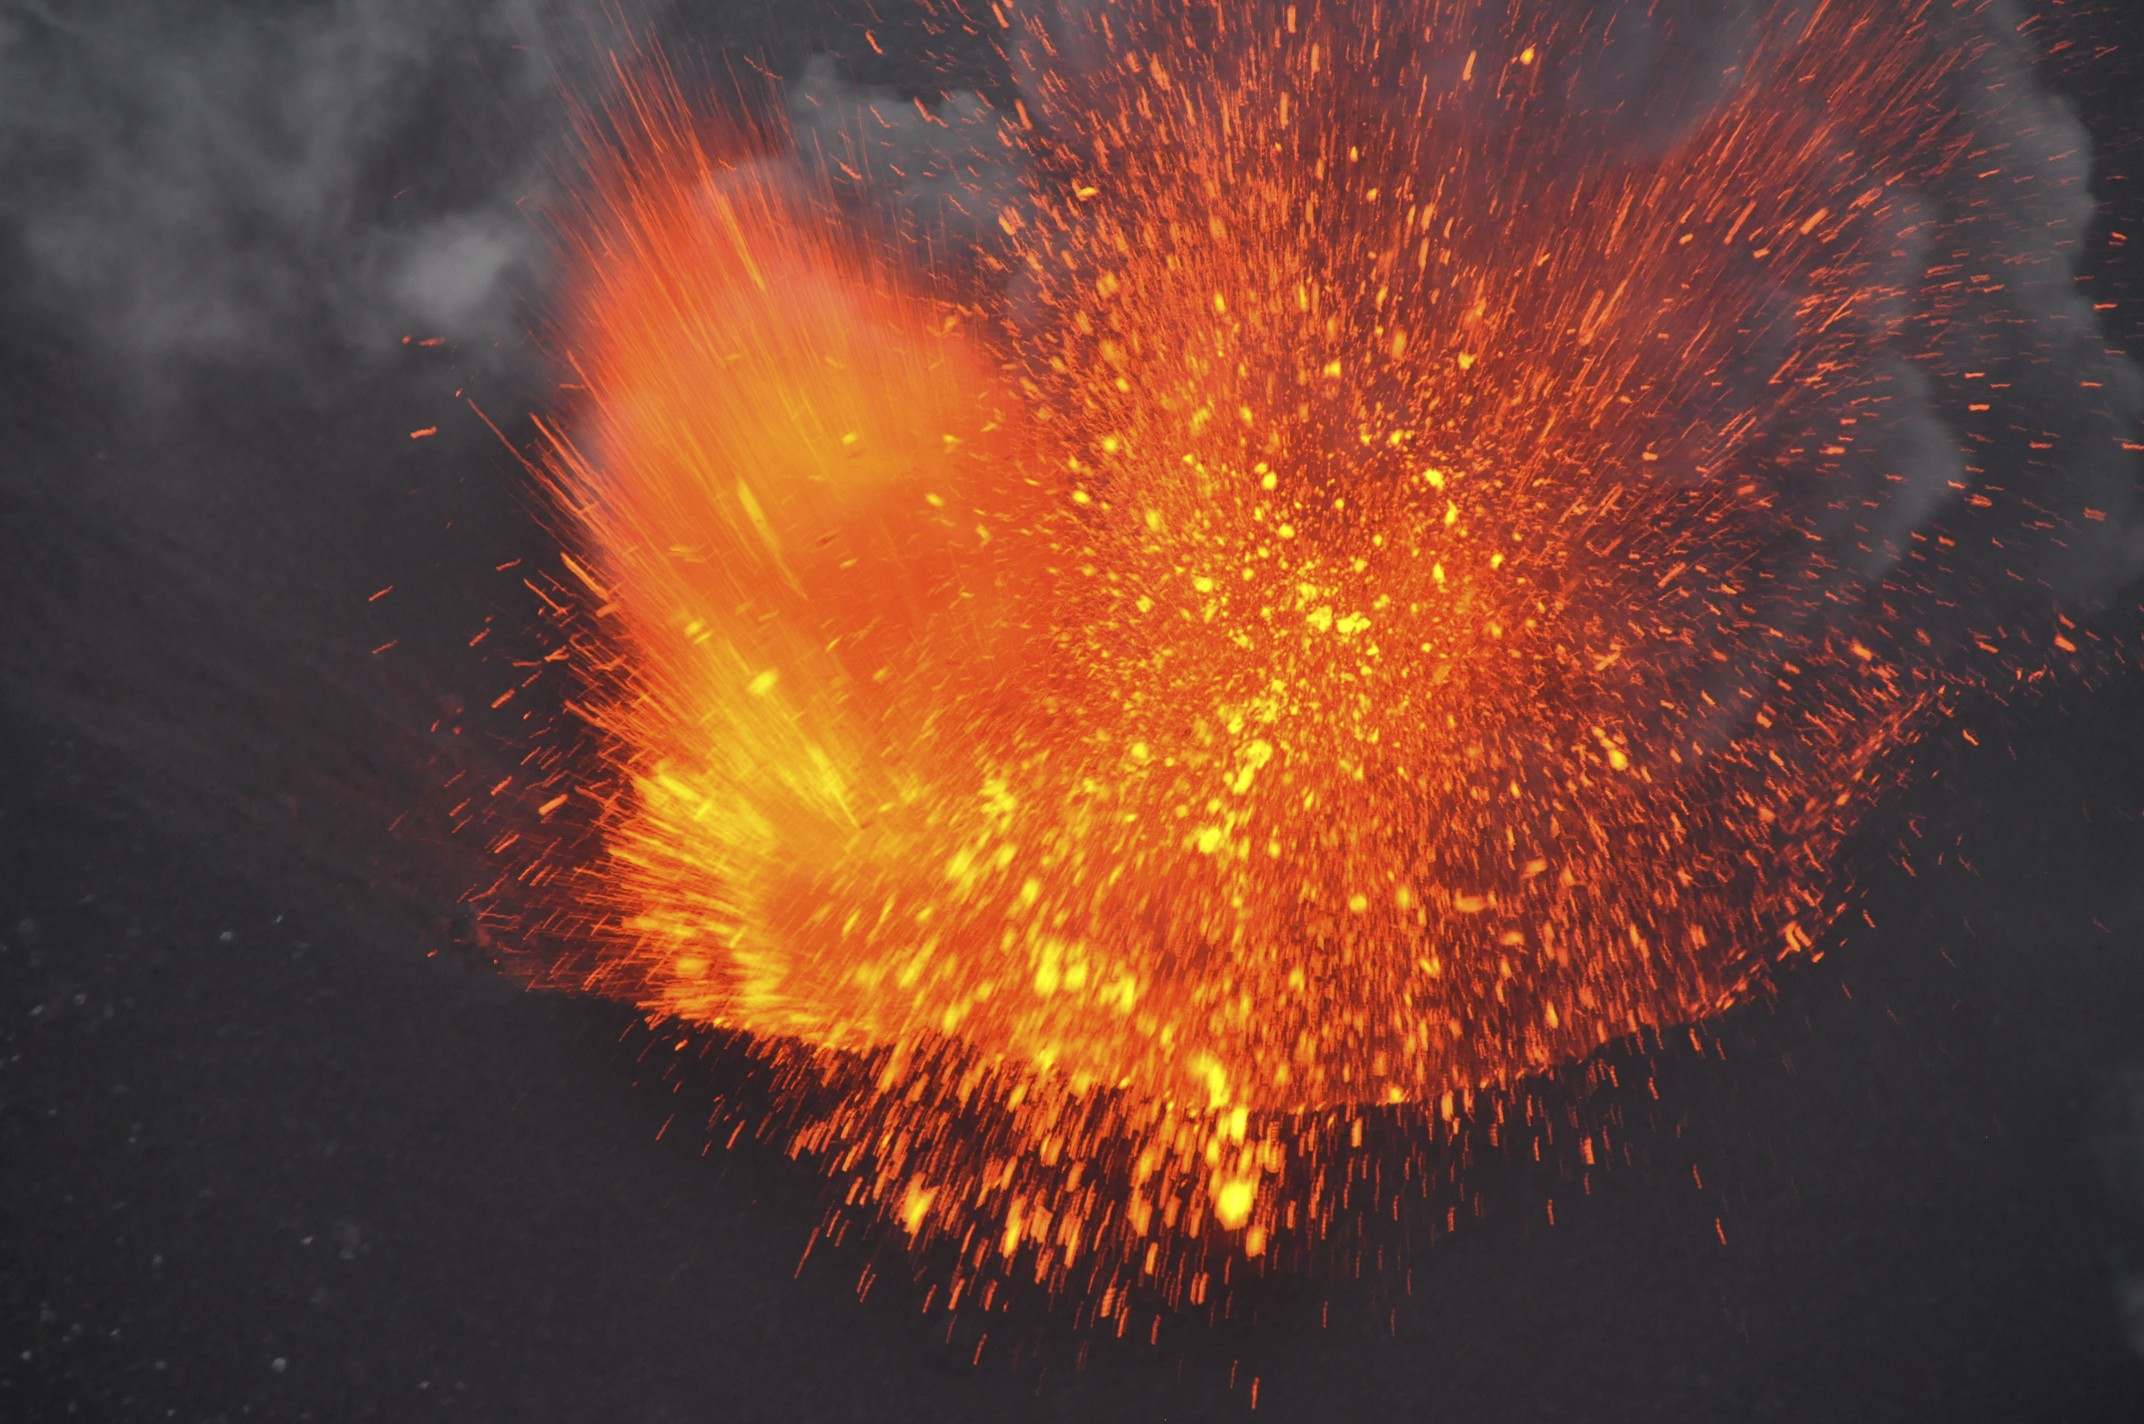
point(1349, 617)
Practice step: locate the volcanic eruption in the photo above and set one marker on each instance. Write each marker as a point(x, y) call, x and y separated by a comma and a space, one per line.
point(1377, 580)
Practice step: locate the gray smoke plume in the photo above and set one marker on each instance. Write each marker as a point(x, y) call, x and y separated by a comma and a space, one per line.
point(237, 184)
point(219, 224)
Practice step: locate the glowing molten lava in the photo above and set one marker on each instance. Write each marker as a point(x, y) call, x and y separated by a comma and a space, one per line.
point(1347, 610)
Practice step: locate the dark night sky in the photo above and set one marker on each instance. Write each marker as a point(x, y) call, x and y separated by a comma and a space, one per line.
point(262, 1155)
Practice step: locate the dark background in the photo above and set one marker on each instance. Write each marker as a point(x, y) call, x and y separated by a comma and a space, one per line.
point(271, 1147)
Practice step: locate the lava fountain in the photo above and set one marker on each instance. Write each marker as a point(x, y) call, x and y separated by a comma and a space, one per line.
point(1348, 607)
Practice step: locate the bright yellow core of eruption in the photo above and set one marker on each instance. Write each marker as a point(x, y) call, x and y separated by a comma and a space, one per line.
point(1256, 665)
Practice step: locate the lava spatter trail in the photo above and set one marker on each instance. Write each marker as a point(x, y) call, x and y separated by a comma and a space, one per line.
point(1354, 606)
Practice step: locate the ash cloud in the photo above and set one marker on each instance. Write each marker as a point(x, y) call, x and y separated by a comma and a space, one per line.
point(243, 184)
point(2022, 210)
point(219, 223)
point(1983, 275)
